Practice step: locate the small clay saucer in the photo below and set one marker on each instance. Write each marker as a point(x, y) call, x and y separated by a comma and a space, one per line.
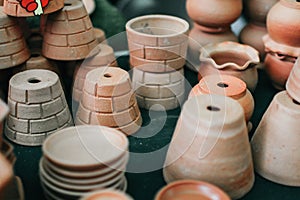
point(191, 190)
point(106, 194)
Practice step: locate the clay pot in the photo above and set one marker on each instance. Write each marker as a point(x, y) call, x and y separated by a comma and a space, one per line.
point(157, 39)
point(108, 100)
point(217, 152)
point(105, 57)
point(4, 110)
point(13, 48)
point(189, 189)
point(257, 10)
point(229, 86)
point(292, 85)
point(285, 30)
point(6, 174)
point(216, 15)
point(106, 194)
point(90, 5)
point(273, 152)
point(278, 68)
point(252, 35)
point(14, 8)
point(100, 35)
point(164, 89)
point(69, 34)
point(37, 107)
point(230, 58)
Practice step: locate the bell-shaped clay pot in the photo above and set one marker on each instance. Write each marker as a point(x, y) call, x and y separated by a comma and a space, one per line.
point(230, 58)
point(285, 30)
point(229, 86)
point(214, 15)
point(210, 143)
point(292, 85)
point(276, 142)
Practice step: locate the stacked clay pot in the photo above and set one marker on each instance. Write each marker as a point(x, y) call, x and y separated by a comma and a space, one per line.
point(31, 8)
point(104, 58)
point(229, 86)
point(256, 13)
point(210, 143)
point(157, 46)
point(282, 44)
point(13, 48)
point(274, 148)
point(108, 100)
point(101, 157)
point(230, 58)
point(69, 34)
point(4, 110)
point(212, 22)
point(37, 107)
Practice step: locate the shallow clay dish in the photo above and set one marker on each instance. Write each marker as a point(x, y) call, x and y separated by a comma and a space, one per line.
point(84, 147)
point(106, 194)
point(191, 190)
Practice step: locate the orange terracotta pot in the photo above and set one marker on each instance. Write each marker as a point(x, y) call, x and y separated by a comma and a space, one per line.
point(274, 152)
point(292, 85)
point(210, 143)
point(230, 58)
point(190, 189)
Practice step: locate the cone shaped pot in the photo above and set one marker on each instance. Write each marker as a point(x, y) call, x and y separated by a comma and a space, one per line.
point(276, 155)
point(210, 143)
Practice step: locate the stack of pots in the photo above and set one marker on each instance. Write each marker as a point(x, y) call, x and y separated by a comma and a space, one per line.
point(108, 100)
point(282, 44)
point(274, 153)
point(217, 152)
point(104, 58)
point(157, 45)
point(212, 22)
point(230, 58)
point(38, 107)
point(256, 13)
point(78, 160)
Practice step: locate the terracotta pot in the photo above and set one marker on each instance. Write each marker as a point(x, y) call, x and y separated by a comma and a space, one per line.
point(216, 15)
point(37, 107)
point(100, 35)
point(292, 86)
point(6, 174)
point(13, 48)
point(157, 39)
point(230, 58)
point(285, 30)
point(106, 194)
point(217, 152)
point(4, 110)
point(90, 5)
point(278, 69)
point(14, 8)
point(257, 10)
point(229, 86)
point(72, 37)
point(273, 152)
point(189, 189)
point(252, 35)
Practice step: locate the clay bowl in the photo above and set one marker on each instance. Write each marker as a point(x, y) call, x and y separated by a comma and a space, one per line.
point(106, 194)
point(84, 147)
point(192, 190)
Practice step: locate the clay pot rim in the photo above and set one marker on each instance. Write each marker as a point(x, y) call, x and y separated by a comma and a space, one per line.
point(109, 192)
point(290, 3)
point(4, 110)
point(166, 17)
point(209, 49)
point(271, 45)
point(173, 185)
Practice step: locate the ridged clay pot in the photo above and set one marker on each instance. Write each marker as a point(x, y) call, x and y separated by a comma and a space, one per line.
point(210, 143)
point(230, 58)
point(292, 85)
point(215, 15)
point(285, 30)
point(274, 153)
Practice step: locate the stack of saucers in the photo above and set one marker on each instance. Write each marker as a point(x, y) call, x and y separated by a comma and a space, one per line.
point(81, 159)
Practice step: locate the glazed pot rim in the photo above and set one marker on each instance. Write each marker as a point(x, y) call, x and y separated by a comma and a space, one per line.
point(158, 16)
point(4, 110)
point(175, 184)
point(290, 3)
point(209, 49)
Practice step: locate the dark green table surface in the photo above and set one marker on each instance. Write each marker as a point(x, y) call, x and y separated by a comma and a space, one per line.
point(144, 186)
